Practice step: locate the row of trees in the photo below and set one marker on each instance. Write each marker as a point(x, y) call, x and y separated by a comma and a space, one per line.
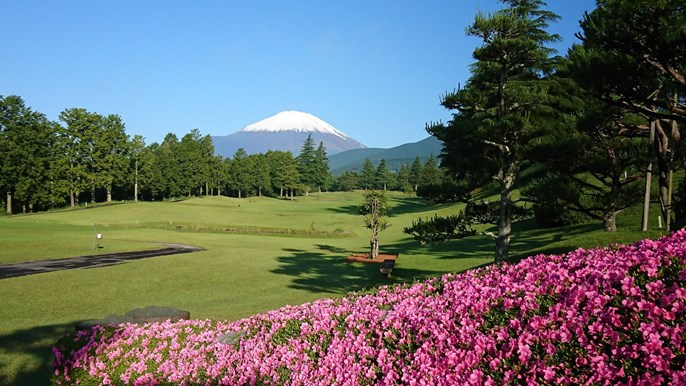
point(408, 179)
point(88, 157)
point(598, 121)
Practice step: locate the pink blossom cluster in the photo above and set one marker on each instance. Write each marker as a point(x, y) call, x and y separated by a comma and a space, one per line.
point(599, 316)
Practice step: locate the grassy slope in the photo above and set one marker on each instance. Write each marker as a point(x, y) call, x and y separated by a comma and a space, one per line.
point(236, 276)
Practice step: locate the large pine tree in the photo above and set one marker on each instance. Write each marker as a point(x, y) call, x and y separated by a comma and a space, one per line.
point(307, 165)
point(502, 105)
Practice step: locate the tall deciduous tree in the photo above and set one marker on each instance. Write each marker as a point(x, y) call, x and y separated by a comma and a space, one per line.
point(26, 154)
point(110, 158)
point(283, 171)
point(262, 173)
point(502, 105)
point(168, 168)
point(192, 164)
point(208, 162)
point(241, 174)
point(76, 144)
point(136, 147)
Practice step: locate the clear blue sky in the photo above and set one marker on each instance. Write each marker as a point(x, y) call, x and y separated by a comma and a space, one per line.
point(373, 69)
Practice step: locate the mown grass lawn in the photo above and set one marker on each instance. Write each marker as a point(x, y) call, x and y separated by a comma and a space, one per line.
point(249, 264)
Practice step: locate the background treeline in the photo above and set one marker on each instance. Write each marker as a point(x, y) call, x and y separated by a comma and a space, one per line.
point(87, 157)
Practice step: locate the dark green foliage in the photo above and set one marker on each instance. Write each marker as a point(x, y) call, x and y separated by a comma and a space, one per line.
point(505, 105)
point(679, 205)
point(415, 173)
point(448, 191)
point(283, 171)
point(552, 197)
point(485, 212)
point(27, 156)
point(348, 180)
point(440, 229)
point(555, 214)
point(306, 165)
point(367, 175)
point(383, 176)
point(431, 174)
point(323, 177)
point(374, 209)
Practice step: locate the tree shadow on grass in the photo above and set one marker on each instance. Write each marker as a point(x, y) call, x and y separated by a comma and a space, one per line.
point(34, 346)
point(406, 205)
point(321, 272)
point(398, 206)
point(353, 210)
point(527, 240)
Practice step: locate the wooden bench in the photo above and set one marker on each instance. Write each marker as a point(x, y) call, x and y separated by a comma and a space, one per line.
point(387, 267)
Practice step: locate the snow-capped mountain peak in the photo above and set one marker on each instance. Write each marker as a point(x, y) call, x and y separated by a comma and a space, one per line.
point(296, 121)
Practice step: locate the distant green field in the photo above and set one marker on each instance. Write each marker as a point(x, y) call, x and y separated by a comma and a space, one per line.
point(260, 254)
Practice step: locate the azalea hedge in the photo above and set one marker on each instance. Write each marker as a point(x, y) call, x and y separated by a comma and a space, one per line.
point(599, 316)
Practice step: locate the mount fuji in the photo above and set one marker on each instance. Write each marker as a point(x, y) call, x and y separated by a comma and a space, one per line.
point(285, 131)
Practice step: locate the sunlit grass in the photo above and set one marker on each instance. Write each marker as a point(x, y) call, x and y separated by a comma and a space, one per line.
point(239, 273)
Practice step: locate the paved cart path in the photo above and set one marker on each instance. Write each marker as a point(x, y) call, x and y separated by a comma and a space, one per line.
point(91, 261)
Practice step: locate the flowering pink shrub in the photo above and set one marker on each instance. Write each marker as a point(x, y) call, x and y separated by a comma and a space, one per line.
point(601, 316)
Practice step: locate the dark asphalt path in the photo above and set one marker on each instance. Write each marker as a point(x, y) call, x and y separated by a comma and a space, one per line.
point(91, 261)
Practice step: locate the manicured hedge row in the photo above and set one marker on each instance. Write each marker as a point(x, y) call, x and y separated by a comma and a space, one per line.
point(601, 316)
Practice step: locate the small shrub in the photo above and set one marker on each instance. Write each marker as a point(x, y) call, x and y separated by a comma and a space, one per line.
point(555, 214)
point(448, 191)
point(440, 229)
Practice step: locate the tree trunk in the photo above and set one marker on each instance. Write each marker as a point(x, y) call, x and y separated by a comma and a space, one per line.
point(71, 198)
point(239, 193)
point(280, 192)
point(135, 184)
point(109, 194)
point(649, 175)
point(207, 188)
point(502, 242)
point(9, 203)
point(374, 245)
point(610, 221)
point(662, 147)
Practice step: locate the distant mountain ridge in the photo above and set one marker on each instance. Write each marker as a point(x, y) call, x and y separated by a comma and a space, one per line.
point(394, 157)
point(285, 131)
